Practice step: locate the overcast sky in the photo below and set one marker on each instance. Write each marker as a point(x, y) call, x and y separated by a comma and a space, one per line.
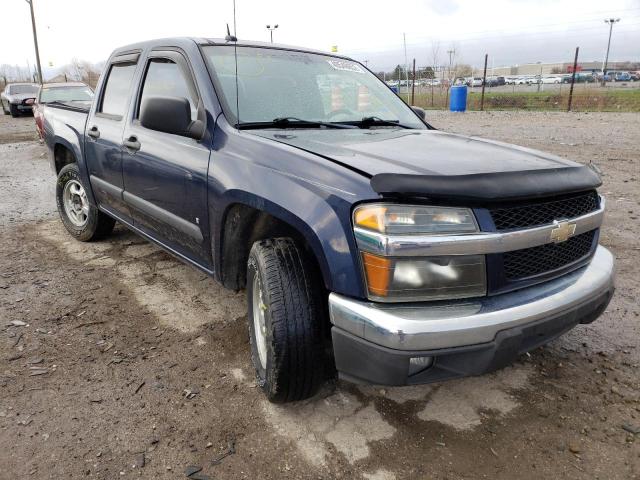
point(511, 31)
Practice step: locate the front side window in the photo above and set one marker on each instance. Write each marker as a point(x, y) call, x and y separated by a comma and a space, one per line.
point(276, 83)
point(116, 91)
point(165, 79)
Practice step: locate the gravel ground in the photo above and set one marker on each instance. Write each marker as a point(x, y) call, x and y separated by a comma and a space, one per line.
point(120, 362)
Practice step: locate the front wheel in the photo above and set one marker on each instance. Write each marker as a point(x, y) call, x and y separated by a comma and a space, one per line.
point(13, 109)
point(287, 320)
point(81, 219)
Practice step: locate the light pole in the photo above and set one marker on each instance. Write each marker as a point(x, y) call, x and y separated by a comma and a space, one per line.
point(610, 21)
point(271, 29)
point(35, 40)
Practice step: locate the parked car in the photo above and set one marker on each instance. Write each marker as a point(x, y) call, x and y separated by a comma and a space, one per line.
point(581, 77)
point(367, 241)
point(552, 79)
point(622, 77)
point(475, 82)
point(17, 98)
point(520, 81)
point(73, 93)
point(635, 76)
point(495, 81)
point(533, 80)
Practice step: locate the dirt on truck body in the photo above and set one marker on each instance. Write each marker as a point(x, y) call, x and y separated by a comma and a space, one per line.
point(120, 361)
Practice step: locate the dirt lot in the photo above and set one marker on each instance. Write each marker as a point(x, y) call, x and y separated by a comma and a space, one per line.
point(117, 361)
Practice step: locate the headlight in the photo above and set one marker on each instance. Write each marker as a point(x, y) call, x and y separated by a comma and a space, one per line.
point(414, 219)
point(406, 279)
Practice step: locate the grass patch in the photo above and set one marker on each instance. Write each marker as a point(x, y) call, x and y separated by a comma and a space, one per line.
point(584, 100)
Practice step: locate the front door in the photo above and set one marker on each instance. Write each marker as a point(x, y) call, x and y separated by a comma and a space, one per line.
point(165, 175)
point(103, 144)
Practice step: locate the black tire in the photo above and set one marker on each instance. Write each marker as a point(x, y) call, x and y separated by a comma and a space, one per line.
point(294, 317)
point(97, 224)
point(13, 109)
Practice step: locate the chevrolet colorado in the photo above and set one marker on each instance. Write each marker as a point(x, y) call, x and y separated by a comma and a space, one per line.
point(368, 242)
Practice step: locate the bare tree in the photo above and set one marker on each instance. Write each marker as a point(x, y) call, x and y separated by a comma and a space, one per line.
point(435, 53)
point(82, 71)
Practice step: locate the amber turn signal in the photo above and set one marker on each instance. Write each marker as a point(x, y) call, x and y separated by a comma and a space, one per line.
point(378, 272)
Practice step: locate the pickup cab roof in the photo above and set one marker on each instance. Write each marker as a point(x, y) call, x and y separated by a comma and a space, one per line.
point(183, 41)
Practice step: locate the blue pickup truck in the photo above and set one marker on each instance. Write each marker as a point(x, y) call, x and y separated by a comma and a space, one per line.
point(369, 243)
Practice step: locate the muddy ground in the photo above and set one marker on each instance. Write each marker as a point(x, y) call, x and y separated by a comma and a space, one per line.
point(117, 361)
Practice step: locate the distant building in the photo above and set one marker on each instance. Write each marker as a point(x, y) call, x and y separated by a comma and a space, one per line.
point(565, 67)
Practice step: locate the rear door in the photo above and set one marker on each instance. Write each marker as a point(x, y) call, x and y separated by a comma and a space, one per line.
point(105, 126)
point(165, 175)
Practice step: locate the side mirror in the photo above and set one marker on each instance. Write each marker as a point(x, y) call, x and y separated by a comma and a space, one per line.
point(170, 115)
point(420, 112)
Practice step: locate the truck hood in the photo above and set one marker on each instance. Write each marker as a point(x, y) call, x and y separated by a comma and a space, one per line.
point(438, 164)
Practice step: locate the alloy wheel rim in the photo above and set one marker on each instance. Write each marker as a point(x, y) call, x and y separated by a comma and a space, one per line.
point(76, 204)
point(259, 324)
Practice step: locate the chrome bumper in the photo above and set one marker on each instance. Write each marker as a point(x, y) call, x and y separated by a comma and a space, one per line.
point(436, 325)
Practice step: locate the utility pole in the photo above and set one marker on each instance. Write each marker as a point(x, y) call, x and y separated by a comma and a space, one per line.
point(451, 54)
point(413, 84)
point(406, 64)
point(271, 29)
point(35, 40)
point(610, 21)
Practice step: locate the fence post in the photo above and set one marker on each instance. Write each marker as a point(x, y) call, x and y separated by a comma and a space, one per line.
point(484, 81)
point(573, 79)
point(413, 84)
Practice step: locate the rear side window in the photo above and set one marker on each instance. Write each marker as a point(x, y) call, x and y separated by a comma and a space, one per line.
point(164, 78)
point(116, 90)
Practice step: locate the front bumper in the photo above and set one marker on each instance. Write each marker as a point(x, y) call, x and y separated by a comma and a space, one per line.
point(374, 342)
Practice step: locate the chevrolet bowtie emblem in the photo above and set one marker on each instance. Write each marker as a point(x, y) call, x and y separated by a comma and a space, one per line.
point(563, 231)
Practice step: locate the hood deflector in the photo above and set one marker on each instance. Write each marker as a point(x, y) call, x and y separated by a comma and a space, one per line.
point(490, 187)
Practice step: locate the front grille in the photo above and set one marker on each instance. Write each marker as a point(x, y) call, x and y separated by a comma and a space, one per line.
point(544, 212)
point(533, 261)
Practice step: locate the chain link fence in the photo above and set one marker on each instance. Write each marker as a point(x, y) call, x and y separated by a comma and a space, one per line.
point(535, 87)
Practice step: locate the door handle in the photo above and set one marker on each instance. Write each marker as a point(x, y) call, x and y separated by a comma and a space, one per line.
point(132, 143)
point(94, 132)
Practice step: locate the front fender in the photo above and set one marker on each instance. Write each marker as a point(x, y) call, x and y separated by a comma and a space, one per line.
point(309, 194)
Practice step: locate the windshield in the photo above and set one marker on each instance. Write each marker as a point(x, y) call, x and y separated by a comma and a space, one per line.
point(284, 83)
point(66, 94)
point(18, 89)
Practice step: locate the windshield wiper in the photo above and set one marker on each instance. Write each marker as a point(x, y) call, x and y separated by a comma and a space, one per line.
point(292, 122)
point(368, 122)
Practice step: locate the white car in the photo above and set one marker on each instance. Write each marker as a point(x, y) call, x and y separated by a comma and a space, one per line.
point(475, 82)
point(552, 79)
point(18, 98)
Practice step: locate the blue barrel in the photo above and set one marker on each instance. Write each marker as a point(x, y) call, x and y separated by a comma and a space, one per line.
point(458, 101)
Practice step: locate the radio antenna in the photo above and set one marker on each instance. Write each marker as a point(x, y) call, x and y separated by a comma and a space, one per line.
point(234, 19)
point(234, 39)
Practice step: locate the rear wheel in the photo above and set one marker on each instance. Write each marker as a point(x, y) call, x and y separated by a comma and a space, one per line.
point(81, 219)
point(287, 320)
